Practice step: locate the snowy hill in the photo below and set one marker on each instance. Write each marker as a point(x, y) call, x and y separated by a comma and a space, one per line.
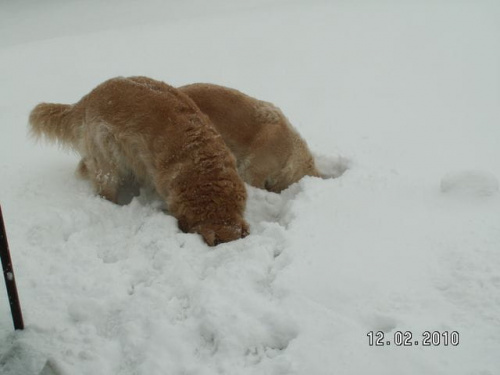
point(406, 95)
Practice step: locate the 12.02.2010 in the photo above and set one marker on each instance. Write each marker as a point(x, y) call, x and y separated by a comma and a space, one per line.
point(407, 338)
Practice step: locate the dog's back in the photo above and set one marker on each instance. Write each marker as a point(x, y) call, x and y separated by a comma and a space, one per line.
point(270, 152)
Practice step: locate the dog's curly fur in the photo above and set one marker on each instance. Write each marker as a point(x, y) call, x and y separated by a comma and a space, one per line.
point(270, 153)
point(141, 129)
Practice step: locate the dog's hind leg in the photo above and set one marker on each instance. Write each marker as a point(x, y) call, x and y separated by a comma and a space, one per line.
point(119, 188)
point(104, 175)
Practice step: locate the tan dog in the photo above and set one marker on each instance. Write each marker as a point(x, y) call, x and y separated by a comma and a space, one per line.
point(141, 129)
point(270, 153)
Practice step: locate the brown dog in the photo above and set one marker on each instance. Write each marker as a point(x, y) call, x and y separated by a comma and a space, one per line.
point(270, 153)
point(145, 130)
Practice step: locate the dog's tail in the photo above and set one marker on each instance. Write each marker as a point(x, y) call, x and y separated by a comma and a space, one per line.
point(60, 123)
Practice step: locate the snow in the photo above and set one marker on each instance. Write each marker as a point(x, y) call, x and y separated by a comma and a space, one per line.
point(399, 101)
point(470, 183)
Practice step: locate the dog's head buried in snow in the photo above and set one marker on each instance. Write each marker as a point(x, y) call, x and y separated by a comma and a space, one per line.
point(214, 234)
point(151, 131)
point(270, 153)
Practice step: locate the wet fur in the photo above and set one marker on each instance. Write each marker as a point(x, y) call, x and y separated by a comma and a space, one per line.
point(143, 130)
point(270, 153)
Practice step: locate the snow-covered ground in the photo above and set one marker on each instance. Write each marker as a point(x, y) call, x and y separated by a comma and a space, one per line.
point(404, 93)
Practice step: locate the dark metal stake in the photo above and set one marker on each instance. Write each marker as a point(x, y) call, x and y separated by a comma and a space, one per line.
point(8, 274)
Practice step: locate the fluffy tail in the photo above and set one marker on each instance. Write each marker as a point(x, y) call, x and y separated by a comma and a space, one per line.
point(60, 123)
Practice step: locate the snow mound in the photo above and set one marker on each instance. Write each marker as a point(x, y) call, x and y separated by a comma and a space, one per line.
point(473, 183)
point(331, 166)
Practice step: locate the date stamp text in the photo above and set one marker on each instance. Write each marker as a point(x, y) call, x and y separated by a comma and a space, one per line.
point(407, 338)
